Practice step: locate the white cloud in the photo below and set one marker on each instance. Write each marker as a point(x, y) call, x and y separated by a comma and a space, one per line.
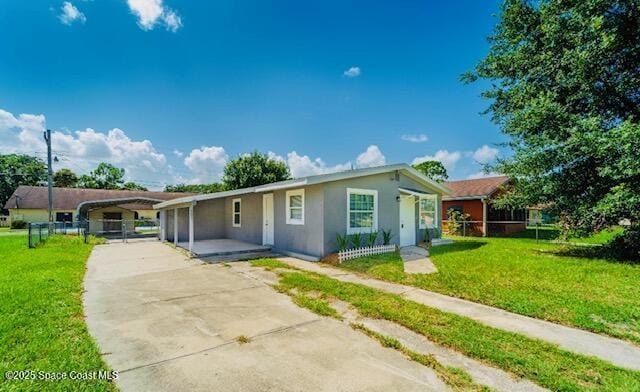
point(207, 163)
point(352, 72)
point(420, 138)
point(371, 157)
point(485, 154)
point(302, 165)
point(178, 153)
point(69, 14)
point(448, 159)
point(82, 150)
point(150, 12)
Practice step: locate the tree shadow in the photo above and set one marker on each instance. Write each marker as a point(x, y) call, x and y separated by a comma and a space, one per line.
point(600, 252)
point(461, 246)
point(543, 234)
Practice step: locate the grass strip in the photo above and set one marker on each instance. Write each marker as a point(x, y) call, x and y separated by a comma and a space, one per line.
point(456, 378)
point(542, 362)
point(42, 328)
point(269, 264)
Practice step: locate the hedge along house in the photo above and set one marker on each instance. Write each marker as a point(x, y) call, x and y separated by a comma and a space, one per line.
point(30, 204)
point(474, 197)
point(303, 217)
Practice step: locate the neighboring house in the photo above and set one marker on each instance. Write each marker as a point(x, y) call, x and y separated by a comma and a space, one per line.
point(303, 216)
point(474, 197)
point(29, 203)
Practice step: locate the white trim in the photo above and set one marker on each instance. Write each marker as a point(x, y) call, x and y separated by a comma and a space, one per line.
point(233, 212)
point(357, 191)
point(415, 193)
point(289, 220)
point(421, 225)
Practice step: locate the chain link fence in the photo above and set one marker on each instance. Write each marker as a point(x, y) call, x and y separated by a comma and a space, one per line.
point(107, 228)
point(526, 228)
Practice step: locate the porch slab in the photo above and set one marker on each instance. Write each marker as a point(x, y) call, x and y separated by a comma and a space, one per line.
point(223, 247)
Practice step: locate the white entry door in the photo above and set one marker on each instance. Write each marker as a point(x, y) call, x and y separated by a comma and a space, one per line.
point(267, 219)
point(407, 221)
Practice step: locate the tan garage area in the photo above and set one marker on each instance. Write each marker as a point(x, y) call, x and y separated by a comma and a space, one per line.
point(167, 322)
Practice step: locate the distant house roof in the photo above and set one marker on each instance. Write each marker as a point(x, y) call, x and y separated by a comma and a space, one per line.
point(475, 188)
point(312, 180)
point(68, 198)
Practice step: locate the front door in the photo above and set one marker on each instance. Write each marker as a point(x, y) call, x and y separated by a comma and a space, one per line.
point(267, 219)
point(407, 221)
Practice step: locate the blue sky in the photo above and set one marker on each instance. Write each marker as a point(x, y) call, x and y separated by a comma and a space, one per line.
point(170, 90)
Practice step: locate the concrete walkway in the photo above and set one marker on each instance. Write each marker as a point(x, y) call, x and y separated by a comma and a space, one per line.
point(416, 260)
point(613, 350)
point(169, 323)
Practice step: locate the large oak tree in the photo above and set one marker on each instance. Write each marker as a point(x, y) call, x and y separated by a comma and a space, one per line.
point(565, 88)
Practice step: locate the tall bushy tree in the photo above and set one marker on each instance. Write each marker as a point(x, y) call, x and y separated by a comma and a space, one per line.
point(435, 170)
point(252, 170)
point(565, 80)
point(65, 178)
point(196, 188)
point(107, 176)
point(18, 170)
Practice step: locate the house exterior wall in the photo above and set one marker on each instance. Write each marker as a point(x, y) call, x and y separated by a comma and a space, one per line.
point(33, 215)
point(250, 229)
point(307, 238)
point(209, 219)
point(95, 217)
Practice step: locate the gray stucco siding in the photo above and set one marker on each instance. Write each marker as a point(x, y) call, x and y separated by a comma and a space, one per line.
point(209, 219)
point(406, 182)
point(306, 238)
point(250, 229)
point(335, 215)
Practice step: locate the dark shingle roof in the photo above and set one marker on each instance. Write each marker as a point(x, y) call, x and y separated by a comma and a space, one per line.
point(480, 187)
point(69, 198)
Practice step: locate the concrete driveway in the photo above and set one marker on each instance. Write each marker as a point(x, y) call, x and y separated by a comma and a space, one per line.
point(166, 322)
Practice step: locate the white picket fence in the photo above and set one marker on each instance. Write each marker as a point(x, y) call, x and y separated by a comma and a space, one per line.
point(349, 254)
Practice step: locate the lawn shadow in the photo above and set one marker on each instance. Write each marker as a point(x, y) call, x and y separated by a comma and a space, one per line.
point(460, 246)
point(600, 252)
point(543, 234)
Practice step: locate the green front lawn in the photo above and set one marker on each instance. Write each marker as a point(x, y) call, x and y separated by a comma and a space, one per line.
point(42, 325)
point(530, 278)
point(544, 363)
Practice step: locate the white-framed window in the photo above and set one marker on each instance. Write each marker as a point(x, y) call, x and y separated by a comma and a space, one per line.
point(362, 210)
point(295, 207)
point(428, 211)
point(236, 212)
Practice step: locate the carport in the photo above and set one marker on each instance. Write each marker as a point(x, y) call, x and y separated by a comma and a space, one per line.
point(115, 224)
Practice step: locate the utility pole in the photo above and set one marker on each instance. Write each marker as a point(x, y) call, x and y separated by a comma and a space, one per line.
point(47, 138)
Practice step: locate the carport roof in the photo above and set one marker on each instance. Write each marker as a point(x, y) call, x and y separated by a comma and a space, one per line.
point(36, 197)
point(312, 180)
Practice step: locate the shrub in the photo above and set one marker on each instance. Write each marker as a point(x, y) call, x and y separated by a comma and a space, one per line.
point(342, 241)
point(356, 240)
point(455, 220)
point(386, 237)
point(371, 238)
point(18, 224)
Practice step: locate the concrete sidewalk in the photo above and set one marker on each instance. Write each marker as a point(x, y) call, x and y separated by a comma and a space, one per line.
point(166, 322)
point(615, 351)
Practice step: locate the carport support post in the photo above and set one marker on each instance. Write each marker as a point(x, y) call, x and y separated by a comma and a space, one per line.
point(175, 226)
point(191, 228)
point(163, 225)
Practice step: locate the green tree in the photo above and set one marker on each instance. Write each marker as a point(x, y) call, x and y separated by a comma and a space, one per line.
point(252, 170)
point(18, 170)
point(565, 88)
point(432, 169)
point(132, 186)
point(65, 178)
point(196, 188)
point(107, 176)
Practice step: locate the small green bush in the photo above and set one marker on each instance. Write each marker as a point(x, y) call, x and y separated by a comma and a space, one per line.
point(18, 224)
point(342, 241)
point(356, 240)
point(371, 238)
point(386, 237)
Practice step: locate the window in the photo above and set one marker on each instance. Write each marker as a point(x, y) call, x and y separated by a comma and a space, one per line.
point(428, 211)
point(295, 207)
point(362, 210)
point(236, 210)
